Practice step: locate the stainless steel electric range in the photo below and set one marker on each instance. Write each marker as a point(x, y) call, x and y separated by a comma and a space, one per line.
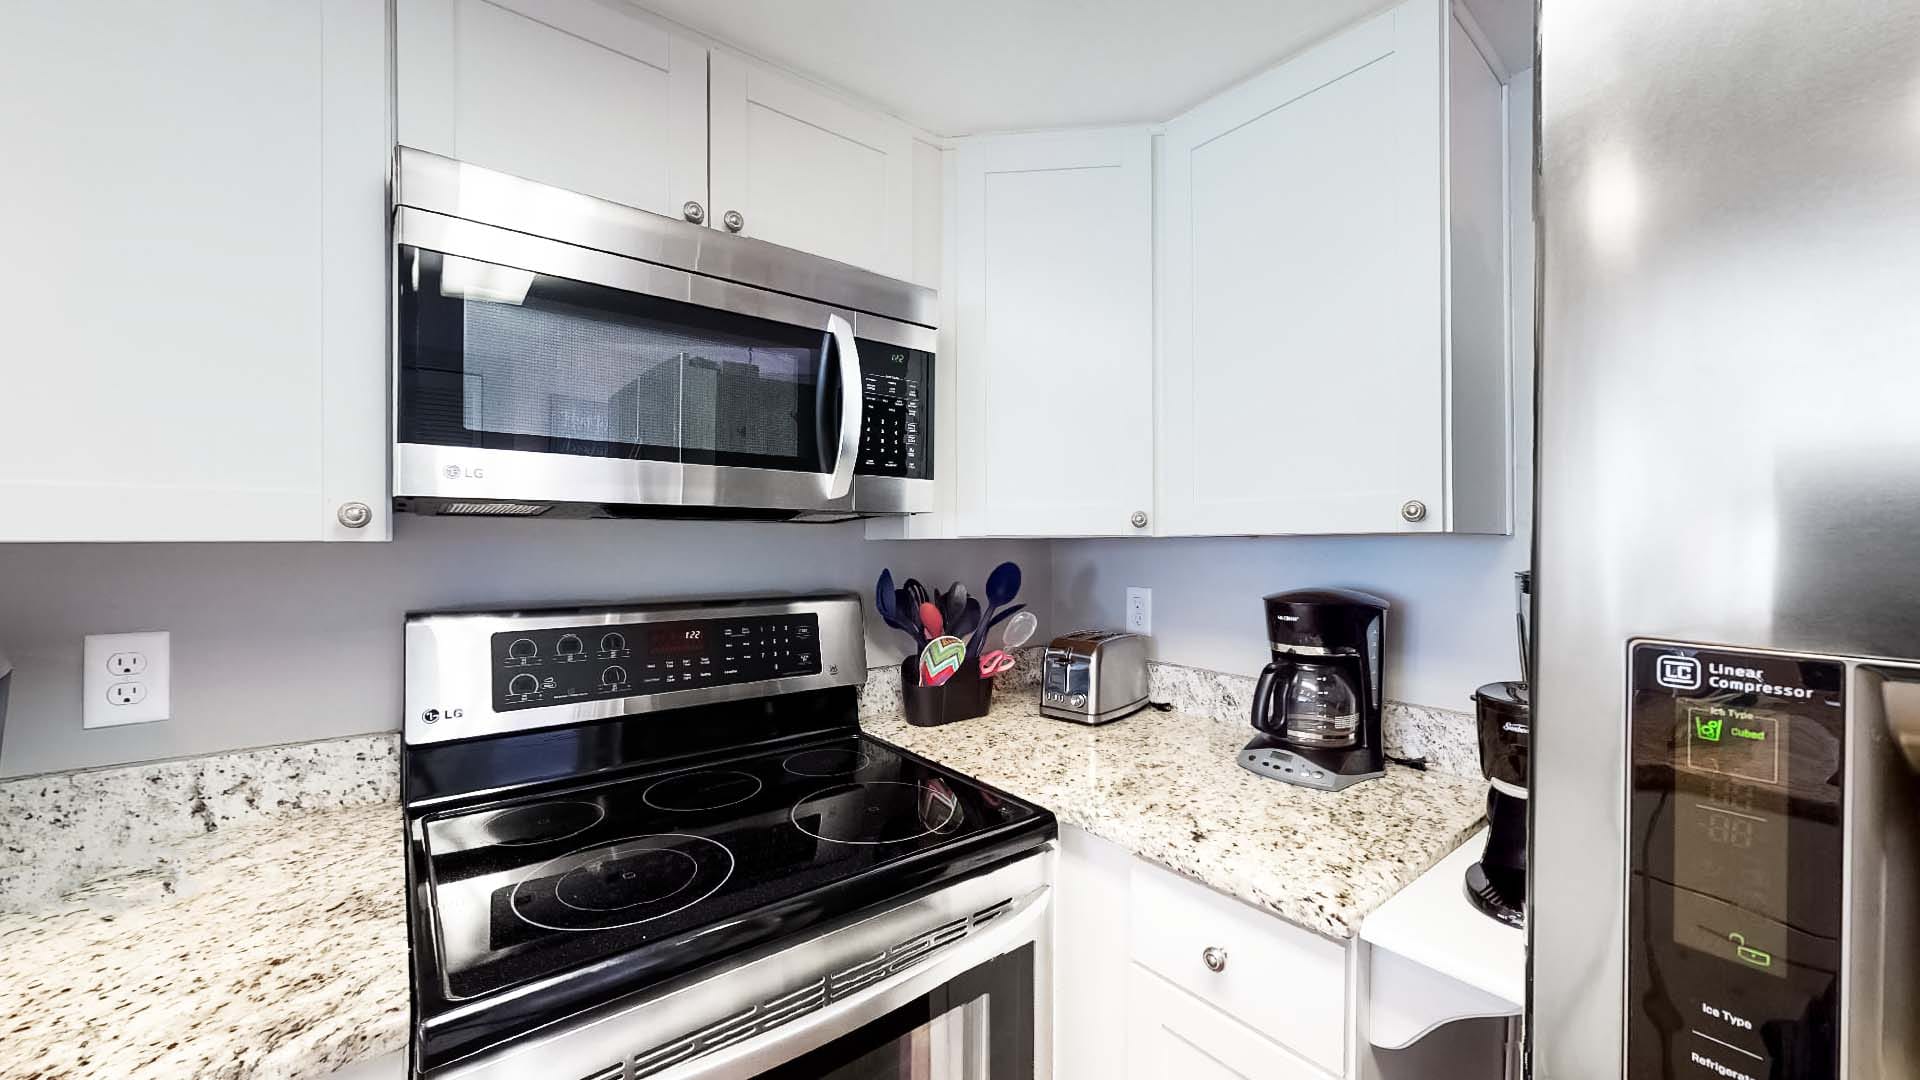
point(652, 841)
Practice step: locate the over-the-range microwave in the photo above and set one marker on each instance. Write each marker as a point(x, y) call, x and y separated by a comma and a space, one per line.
point(557, 354)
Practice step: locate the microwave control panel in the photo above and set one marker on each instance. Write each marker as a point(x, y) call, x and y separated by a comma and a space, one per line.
point(895, 437)
point(557, 666)
point(1736, 865)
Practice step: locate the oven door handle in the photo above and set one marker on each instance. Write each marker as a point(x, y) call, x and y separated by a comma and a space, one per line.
point(748, 1059)
point(852, 406)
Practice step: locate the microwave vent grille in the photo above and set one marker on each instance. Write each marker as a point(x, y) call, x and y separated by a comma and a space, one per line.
point(493, 509)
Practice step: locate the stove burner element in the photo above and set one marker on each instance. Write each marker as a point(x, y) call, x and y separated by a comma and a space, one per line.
point(877, 812)
point(541, 823)
point(634, 880)
point(626, 877)
point(708, 790)
point(828, 762)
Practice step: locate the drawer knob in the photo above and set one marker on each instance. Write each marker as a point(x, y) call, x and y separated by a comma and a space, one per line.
point(1214, 957)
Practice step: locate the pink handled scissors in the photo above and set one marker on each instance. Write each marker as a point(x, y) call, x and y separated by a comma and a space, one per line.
point(994, 663)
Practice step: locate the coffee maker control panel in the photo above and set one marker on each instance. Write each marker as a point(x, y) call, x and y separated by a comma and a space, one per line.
point(1736, 863)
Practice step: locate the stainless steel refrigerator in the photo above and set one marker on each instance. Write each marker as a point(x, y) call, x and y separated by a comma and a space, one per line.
point(1727, 554)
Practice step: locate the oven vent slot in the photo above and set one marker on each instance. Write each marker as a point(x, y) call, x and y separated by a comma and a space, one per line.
point(612, 1072)
point(815, 995)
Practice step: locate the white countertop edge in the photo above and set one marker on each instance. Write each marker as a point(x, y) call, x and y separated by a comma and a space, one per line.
point(1432, 923)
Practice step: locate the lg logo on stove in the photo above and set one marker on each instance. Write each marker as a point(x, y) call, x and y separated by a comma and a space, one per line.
point(432, 716)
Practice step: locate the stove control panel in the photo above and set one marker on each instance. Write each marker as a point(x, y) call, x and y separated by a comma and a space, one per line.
point(555, 666)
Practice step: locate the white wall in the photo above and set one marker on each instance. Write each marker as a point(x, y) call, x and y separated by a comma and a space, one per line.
point(1451, 627)
point(277, 643)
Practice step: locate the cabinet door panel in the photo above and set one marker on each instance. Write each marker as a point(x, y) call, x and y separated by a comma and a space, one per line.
point(574, 93)
point(809, 171)
point(1303, 361)
point(1055, 291)
point(179, 367)
point(1171, 1033)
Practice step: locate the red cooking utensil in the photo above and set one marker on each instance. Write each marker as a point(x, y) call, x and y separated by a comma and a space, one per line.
point(930, 620)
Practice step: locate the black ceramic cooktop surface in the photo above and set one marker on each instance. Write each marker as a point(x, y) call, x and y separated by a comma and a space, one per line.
point(530, 888)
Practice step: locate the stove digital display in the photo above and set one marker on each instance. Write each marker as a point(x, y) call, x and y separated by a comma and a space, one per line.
point(535, 669)
point(676, 640)
point(1736, 863)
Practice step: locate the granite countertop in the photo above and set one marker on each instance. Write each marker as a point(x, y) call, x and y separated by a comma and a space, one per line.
point(275, 949)
point(244, 915)
point(1166, 787)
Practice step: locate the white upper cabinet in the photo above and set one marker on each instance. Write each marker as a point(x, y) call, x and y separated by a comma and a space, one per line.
point(797, 166)
point(1307, 341)
point(1054, 299)
point(194, 270)
point(585, 95)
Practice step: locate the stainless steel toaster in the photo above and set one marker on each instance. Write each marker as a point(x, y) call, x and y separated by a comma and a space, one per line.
point(1093, 676)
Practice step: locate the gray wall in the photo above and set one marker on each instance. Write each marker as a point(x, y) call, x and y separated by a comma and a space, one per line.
point(277, 643)
point(1451, 627)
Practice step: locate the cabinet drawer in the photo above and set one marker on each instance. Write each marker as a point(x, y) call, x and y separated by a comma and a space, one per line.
point(1286, 983)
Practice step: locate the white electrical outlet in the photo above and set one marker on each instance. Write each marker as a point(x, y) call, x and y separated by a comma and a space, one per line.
point(126, 679)
point(1139, 610)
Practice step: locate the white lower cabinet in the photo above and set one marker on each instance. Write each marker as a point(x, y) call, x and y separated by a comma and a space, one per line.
point(1136, 993)
point(1173, 1034)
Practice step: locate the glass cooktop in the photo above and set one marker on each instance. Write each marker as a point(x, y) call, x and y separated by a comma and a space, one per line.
point(533, 887)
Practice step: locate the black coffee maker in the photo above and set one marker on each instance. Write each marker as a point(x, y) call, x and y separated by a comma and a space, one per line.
point(1316, 707)
point(1497, 884)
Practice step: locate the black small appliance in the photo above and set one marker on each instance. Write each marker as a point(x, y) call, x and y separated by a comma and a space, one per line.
point(1316, 707)
point(1497, 884)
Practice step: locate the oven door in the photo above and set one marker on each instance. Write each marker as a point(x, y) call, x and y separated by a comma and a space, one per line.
point(953, 985)
point(532, 371)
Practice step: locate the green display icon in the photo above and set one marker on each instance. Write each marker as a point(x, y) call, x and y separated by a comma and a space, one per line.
point(1759, 958)
point(1707, 730)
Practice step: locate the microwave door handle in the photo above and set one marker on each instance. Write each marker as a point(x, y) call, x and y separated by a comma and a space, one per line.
point(852, 403)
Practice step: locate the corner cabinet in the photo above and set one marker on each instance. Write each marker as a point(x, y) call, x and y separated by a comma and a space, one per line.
point(1333, 351)
point(1054, 310)
point(196, 246)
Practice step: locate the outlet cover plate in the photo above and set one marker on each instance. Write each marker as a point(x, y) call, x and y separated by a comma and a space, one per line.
point(1139, 610)
point(132, 668)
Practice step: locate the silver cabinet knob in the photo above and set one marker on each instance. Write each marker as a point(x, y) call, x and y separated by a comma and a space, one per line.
point(694, 212)
point(1413, 510)
point(1139, 519)
point(1214, 957)
point(733, 220)
point(355, 515)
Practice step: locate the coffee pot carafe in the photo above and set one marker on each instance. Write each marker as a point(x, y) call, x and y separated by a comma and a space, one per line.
point(1317, 705)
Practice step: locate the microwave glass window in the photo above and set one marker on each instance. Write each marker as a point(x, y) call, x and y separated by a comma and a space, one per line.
point(499, 358)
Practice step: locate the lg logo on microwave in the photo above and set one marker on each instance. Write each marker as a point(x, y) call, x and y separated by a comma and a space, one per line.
point(455, 472)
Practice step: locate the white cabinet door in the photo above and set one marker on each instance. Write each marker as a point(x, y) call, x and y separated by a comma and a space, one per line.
point(585, 95)
point(1054, 295)
point(806, 170)
point(1171, 1033)
point(1302, 357)
point(194, 283)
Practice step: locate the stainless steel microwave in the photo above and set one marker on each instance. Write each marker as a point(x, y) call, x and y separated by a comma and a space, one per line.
point(556, 354)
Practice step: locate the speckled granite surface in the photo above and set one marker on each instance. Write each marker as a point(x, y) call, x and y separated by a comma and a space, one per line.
point(1165, 786)
point(60, 829)
point(243, 915)
point(271, 950)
